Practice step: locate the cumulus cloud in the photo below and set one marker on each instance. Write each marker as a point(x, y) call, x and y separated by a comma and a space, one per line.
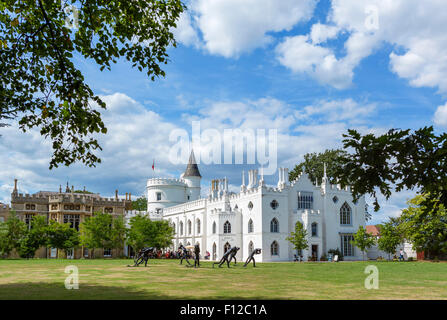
point(440, 117)
point(232, 27)
point(415, 28)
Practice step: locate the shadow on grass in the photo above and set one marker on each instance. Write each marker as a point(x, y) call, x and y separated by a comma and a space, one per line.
point(52, 291)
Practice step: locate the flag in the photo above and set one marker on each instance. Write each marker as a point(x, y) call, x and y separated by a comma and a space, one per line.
point(153, 165)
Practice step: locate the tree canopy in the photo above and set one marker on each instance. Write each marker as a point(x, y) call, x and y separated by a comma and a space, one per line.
point(40, 42)
point(394, 161)
point(140, 204)
point(363, 240)
point(314, 165)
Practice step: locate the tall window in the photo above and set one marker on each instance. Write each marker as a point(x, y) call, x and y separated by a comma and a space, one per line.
point(305, 200)
point(181, 228)
point(347, 248)
point(314, 229)
point(158, 196)
point(173, 226)
point(73, 220)
point(214, 227)
point(274, 248)
point(274, 225)
point(227, 227)
point(250, 226)
point(107, 252)
point(189, 227)
point(198, 226)
point(345, 214)
point(250, 247)
point(28, 219)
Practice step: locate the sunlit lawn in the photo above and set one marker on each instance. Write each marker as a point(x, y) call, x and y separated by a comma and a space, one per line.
point(166, 279)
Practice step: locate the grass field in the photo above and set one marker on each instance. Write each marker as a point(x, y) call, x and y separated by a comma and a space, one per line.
point(166, 279)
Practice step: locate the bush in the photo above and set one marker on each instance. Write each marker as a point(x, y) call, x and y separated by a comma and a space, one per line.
point(323, 257)
point(410, 259)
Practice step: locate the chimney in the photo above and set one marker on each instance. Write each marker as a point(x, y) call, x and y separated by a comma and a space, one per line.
point(72, 189)
point(15, 186)
point(116, 194)
point(130, 196)
point(84, 189)
point(60, 188)
point(126, 196)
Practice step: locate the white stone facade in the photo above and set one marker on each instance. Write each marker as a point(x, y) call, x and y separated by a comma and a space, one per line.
point(258, 216)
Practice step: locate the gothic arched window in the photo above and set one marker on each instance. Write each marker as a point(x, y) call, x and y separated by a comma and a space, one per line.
point(250, 226)
point(198, 226)
point(274, 248)
point(345, 214)
point(274, 225)
point(227, 227)
point(214, 227)
point(181, 228)
point(189, 226)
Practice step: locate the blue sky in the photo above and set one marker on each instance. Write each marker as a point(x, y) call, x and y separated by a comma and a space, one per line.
point(310, 69)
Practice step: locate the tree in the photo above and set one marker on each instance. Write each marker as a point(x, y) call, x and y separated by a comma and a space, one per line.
point(34, 238)
point(141, 232)
point(397, 160)
point(424, 224)
point(299, 237)
point(102, 231)
point(39, 81)
point(11, 233)
point(363, 240)
point(390, 237)
point(145, 232)
point(140, 204)
point(164, 234)
point(314, 165)
point(62, 236)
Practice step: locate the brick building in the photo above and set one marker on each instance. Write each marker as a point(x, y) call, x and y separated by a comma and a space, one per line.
point(67, 207)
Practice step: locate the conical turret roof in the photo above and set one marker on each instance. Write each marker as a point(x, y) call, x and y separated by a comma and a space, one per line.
point(192, 170)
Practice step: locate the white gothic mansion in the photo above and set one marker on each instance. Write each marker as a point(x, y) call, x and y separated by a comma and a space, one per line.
point(259, 216)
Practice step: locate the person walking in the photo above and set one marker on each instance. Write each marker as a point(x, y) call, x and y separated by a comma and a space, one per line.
point(196, 256)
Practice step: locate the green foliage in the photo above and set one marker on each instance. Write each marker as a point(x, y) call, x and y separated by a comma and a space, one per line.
point(363, 240)
point(102, 231)
point(62, 236)
point(299, 237)
point(145, 232)
point(140, 204)
point(11, 233)
point(390, 237)
point(396, 160)
point(314, 164)
point(424, 224)
point(34, 238)
point(39, 80)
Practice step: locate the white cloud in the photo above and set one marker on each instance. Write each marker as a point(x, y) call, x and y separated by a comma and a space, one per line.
point(417, 29)
point(185, 32)
point(440, 117)
point(232, 27)
point(336, 110)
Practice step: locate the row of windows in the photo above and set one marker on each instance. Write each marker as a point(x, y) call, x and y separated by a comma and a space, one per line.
point(189, 227)
point(274, 248)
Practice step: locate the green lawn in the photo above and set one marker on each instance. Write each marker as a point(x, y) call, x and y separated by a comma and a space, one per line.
point(166, 279)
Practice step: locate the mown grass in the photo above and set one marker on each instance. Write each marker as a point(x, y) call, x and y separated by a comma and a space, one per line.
point(166, 279)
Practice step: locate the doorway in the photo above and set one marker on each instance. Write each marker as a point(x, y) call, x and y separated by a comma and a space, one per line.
point(314, 252)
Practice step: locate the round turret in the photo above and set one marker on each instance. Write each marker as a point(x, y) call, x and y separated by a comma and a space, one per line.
point(165, 192)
